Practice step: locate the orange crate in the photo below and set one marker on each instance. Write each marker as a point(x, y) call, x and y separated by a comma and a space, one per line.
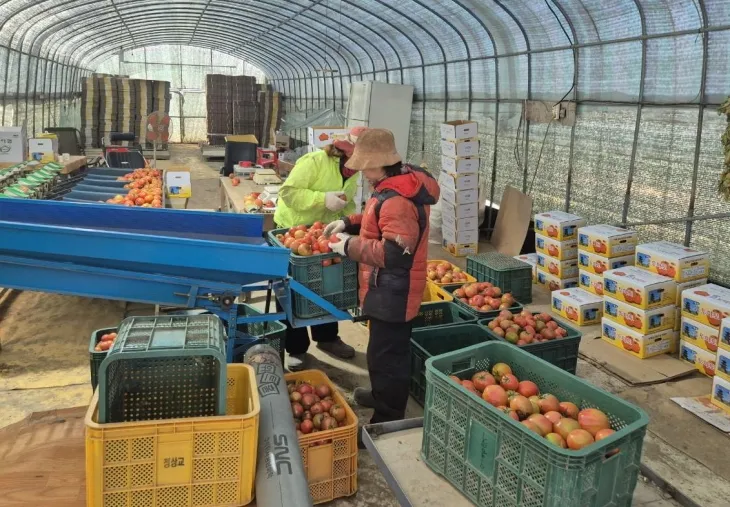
point(189, 462)
point(331, 467)
point(435, 294)
point(469, 278)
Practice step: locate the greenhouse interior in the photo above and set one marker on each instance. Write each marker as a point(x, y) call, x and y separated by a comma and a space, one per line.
point(244, 245)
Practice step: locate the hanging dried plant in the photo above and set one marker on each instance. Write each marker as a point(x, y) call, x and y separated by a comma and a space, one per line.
point(723, 186)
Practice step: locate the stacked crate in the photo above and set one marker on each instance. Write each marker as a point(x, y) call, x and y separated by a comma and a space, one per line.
point(601, 248)
point(219, 105)
point(90, 112)
point(556, 244)
point(107, 106)
point(720, 395)
point(459, 181)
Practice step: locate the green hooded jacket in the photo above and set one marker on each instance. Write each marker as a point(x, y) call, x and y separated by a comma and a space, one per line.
point(301, 197)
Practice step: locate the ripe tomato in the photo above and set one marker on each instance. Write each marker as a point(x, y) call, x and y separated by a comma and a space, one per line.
point(139, 201)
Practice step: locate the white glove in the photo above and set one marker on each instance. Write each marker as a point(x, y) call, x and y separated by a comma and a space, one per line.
point(340, 246)
point(334, 228)
point(333, 202)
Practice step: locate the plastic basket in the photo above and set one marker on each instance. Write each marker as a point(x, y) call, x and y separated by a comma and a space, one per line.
point(507, 273)
point(515, 308)
point(336, 283)
point(272, 332)
point(562, 352)
point(441, 314)
point(432, 293)
point(164, 368)
point(207, 461)
point(95, 358)
point(469, 278)
point(330, 457)
point(429, 342)
point(496, 461)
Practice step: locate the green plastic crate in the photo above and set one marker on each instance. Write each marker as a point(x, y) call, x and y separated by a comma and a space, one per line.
point(515, 308)
point(164, 368)
point(95, 358)
point(562, 352)
point(496, 461)
point(507, 273)
point(336, 283)
point(273, 332)
point(444, 313)
point(433, 341)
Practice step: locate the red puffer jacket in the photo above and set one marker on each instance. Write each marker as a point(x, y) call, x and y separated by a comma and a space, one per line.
point(392, 246)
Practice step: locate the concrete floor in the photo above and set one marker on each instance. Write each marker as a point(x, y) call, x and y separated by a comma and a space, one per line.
point(671, 446)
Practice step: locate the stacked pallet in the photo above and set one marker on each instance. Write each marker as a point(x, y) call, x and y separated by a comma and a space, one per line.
point(268, 117)
point(219, 104)
point(244, 105)
point(90, 112)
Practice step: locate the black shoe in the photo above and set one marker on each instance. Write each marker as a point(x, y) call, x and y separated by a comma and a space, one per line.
point(364, 397)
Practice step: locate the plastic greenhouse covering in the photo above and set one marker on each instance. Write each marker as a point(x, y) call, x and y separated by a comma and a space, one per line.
point(646, 77)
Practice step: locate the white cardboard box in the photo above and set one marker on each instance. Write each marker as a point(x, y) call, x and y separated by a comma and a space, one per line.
point(458, 211)
point(460, 224)
point(459, 129)
point(177, 182)
point(13, 144)
point(460, 165)
point(459, 181)
point(322, 136)
point(458, 197)
point(452, 236)
point(460, 148)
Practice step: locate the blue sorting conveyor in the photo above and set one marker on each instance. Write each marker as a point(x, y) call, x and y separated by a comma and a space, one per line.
point(158, 256)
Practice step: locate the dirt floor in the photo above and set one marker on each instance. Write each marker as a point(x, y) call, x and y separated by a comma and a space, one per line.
point(44, 366)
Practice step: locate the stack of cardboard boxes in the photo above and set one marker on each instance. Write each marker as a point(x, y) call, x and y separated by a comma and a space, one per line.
point(721, 382)
point(556, 245)
point(459, 182)
point(600, 248)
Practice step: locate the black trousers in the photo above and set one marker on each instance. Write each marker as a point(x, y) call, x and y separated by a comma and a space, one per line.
point(389, 366)
point(297, 339)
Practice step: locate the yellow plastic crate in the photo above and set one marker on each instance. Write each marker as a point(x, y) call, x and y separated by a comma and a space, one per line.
point(330, 457)
point(435, 294)
point(469, 278)
point(197, 461)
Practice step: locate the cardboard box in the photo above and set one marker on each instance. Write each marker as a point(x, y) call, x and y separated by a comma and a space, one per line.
point(607, 240)
point(639, 287)
point(460, 249)
point(282, 141)
point(43, 148)
point(469, 210)
point(459, 182)
point(673, 260)
point(530, 259)
point(637, 344)
point(681, 287)
point(460, 148)
point(720, 396)
point(459, 224)
point(707, 304)
point(578, 306)
point(558, 225)
point(13, 145)
point(702, 360)
point(598, 264)
point(677, 318)
point(322, 136)
point(722, 364)
point(700, 335)
point(561, 250)
point(461, 165)
point(724, 336)
point(551, 283)
point(644, 321)
point(561, 269)
point(459, 129)
point(177, 182)
point(463, 236)
point(590, 282)
point(458, 197)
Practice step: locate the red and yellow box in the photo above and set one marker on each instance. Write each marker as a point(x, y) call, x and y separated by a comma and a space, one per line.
point(702, 360)
point(558, 225)
point(704, 337)
point(577, 305)
point(640, 345)
point(644, 321)
point(552, 282)
point(676, 261)
point(639, 287)
point(681, 287)
point(561, 269)
point(561, 250)
point(590, 282)
point(598, 264)
point(607, 240)
point(721, 393)
point(707, 304)
point(722, 364)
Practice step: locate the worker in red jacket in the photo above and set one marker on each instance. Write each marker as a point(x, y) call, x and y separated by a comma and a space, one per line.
point(391, 246)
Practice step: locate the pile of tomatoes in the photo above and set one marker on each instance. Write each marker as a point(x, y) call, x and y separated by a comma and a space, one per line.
point(314, 409)
point(562, 423)
point(106, 342)
point(445, 273)
point(525, 327)
point(144, 189)
point(307, 241)
point(484, 296)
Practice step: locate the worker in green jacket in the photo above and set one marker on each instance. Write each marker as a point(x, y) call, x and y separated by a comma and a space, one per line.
point(319, 189)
